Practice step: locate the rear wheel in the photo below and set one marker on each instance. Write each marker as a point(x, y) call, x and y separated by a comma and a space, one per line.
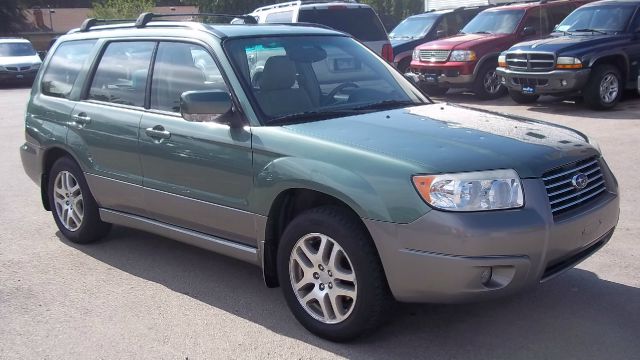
point(331, 275)
point(521, 98)
point(487, 85)
point(74, 209)
point(604, 88)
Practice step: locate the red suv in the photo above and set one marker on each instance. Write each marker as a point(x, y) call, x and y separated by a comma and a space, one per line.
point(469, 59)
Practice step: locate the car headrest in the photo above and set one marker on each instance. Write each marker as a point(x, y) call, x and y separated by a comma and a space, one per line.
point(279, 73)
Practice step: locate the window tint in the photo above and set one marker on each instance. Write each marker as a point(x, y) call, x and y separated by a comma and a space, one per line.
point(557, 14)
point(182, 67)
point(362, 23)
point(413, 27)
point(121, 75)
point(280, 17)
point(601, 18)
point(536, 19)
point(64, 67)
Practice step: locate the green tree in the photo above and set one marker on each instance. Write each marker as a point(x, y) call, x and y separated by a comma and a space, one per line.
point(11, 17)
point(121, 9)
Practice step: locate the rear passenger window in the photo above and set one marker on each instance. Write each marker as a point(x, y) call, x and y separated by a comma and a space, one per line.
point(64, 67)
point(181, 67)
point(121, 75)
point(280, 17)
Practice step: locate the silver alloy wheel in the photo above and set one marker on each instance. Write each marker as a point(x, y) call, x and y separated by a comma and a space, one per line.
point(323, 278)
point(68, 200)
point(609, 88)
point(491, 82)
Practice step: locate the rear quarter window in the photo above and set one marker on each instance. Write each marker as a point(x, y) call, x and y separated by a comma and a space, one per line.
point(361, 23)
point(63, 68)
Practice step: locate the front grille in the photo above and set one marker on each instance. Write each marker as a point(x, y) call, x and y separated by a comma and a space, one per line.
point(11, 68)
point(530, 82)
point(434, 55)
point(564, 195)
point(531, 61)
point(23, 68)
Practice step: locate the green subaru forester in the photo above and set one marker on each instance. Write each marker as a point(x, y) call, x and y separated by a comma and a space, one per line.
point(299, 150)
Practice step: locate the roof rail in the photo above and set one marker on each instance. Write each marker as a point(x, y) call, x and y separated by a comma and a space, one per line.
point(91, 22)
point(301, 2)
point(145, 18)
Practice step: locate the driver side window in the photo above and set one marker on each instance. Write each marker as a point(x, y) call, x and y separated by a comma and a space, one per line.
point(181, 67)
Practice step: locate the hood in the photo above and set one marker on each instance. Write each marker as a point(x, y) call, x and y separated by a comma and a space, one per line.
point(564, 43)
point(465, 41)
point(19, 60)
point(402, 45)
point(443, 138)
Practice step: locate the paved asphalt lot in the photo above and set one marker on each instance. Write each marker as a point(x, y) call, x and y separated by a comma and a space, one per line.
point(136, 295)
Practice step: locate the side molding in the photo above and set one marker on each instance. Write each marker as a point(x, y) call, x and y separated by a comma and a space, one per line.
point(208, 242)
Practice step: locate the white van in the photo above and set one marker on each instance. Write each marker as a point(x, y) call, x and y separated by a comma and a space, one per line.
point(358, 20)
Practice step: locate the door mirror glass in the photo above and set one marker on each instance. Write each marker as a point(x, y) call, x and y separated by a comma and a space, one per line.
point(205, 105)
point(528, 31)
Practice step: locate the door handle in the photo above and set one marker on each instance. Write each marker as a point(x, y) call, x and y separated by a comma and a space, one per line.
point(157, 132)
point(81, 119)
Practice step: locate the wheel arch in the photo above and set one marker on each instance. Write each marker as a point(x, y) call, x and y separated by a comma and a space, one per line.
point(50, 156)
point(618, 59)
point(483, 60)
point(284, 209)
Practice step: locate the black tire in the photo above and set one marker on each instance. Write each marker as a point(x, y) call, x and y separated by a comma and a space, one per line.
point(591, 92)
point(373, 295)
point(404, 65)
point(91, 227)
point(521, 98)
point(479, 87)
point(434, 90)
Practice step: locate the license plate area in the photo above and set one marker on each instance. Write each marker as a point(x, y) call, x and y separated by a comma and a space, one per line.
point(528, 89)
point(431, 78)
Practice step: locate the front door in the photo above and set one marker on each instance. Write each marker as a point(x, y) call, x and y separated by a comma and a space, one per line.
point(197, 175)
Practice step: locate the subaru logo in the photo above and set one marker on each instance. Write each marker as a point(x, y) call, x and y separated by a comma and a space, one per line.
point(579, 181)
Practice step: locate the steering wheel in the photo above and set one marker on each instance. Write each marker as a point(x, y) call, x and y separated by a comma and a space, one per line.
point(339, 88)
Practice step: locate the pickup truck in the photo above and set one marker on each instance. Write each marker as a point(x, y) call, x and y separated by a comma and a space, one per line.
point(594, 52)
point(469, 59)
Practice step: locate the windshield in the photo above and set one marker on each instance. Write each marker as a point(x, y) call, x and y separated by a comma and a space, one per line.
point(611, 18)
point(307, 78)
point(16, 49)
point(362, 23)
point(494, 22)
point(413, 27)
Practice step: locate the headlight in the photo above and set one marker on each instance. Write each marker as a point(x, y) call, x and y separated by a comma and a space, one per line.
point(565, 62)
point(471, 191)
point(502, 61)
point(416, 55)
point(462, 55)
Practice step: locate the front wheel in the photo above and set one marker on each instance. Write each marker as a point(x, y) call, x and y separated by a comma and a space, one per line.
point(331, 275)
point(604, 88)
point(521, 98)
point(487, 85)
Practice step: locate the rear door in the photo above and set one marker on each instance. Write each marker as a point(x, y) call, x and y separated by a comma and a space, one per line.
point(105, 124)
point(360, 22)
point(197, 175)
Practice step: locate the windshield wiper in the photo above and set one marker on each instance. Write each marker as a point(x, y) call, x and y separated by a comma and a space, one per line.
point(590, 30)
point(306, 116)
point(387, 104)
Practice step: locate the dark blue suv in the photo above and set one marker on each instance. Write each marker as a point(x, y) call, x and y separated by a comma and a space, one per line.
point(422, 28)
point(594, 52)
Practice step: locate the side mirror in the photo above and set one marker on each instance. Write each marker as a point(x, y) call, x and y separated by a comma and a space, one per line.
point(440, 34)
point(204, 106)
point(528, 31)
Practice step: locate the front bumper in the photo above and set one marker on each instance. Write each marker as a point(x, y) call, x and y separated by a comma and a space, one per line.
point(449, 74)
point(443, 256)
point(550, 82)
point(18, 76)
